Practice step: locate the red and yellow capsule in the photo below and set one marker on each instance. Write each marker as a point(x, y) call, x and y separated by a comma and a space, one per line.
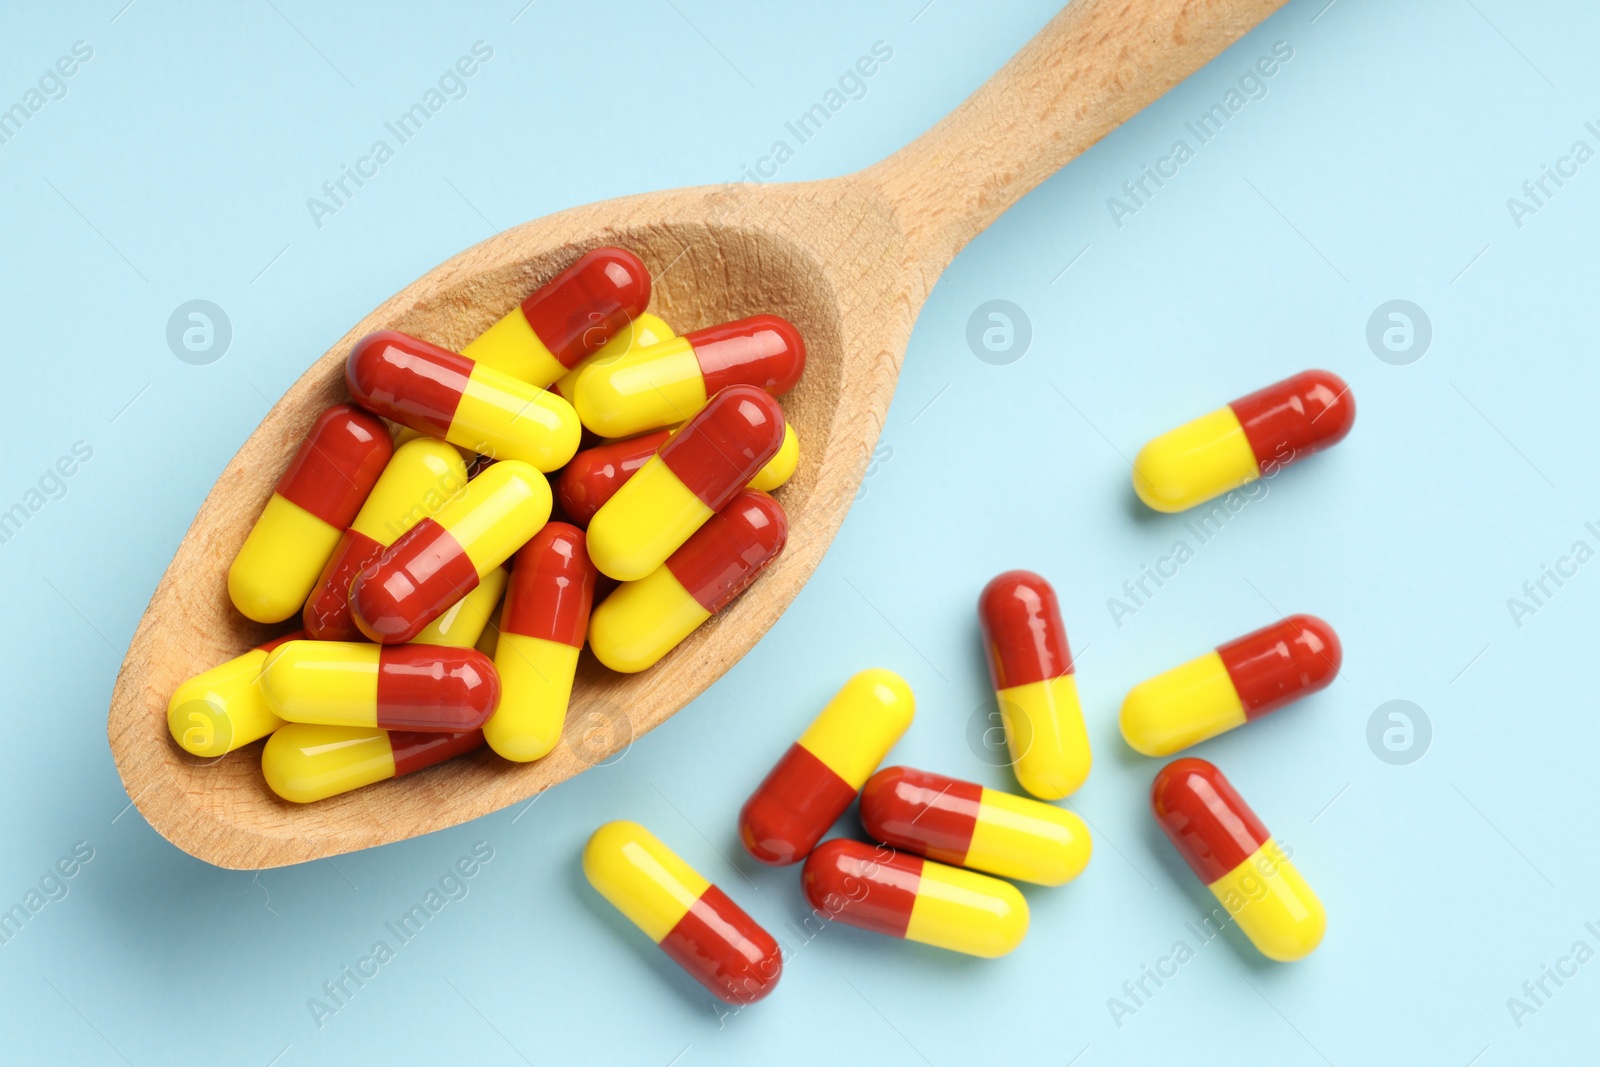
point(222, 709)
point(442, 559)
point(966, 825)
point(1251, 438)
point(821, 773)
point(445, 394)
point(645, 329)
point(317, 497)
point(1037, 692)
point(595, 474)
point(430, 688)
point(644, 620)
point(570, 317)
point(541, 632)
point(1224, 843)
point(666, 383)
point(693, 921)
point(1236, 683)
point(423, 475)
point(691, 477)
point(899, 895)
point(304, 762)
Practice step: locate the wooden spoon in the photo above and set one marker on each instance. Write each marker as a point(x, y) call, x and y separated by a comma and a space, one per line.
point(848, 260)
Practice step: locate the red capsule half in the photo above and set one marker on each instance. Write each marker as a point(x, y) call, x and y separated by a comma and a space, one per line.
point(334, 470)
point(726, 554)
point(584, 306)
point(763, 350)
point(1294, 418)
point(1279, 664)
point(595, 474)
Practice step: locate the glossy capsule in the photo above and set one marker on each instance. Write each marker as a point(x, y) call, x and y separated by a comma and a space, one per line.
point(315, 499)
point(1251, 438)
point(900, 895)
point(541, 632)
point(693, 921)
point(568, 318)
point(442, 559)
point(1229, 849)
point(304, 762)
point(463, 622)
point(444, 394)
point(595, 474)
point(400, 687)
point(820, 774)
point(645, 329)
point(692, 476)
point(1236, 683)
point(222, 709)
point(666, 383)
point(967, 825)
point(642, 621)
point(421, 477)
point(1036, 690)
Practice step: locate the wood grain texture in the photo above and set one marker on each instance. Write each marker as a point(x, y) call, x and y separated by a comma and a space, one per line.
point(848, 260)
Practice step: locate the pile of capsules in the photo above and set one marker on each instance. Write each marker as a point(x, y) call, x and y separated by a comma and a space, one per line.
point(396, 544)
point(944, 845)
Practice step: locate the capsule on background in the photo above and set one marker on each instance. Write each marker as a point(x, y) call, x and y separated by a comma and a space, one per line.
point(595, 474)
point(222, 709)
point(421, 477)
point(1037, 692)
point(445, 394)
point(888, 892)
point(443, 558)
point(820, 774)
point(303, 762)
point(1254, 436)
point(315, 499)
point(692, 920)
point(966, 825)
point(645, 329)
point(642, 621)
point(541, 632)
point(692, 477)
point(1237, 683)
point(1224, 843)
point(463, 622)
point(666, 383)
point(430, 688)
point(568, 318)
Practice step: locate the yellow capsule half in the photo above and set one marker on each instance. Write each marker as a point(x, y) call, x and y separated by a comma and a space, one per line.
point(1181, 707)
point(222, 709)
point(536, 680)
point(648, 388)
point(306, 762)
point(1273, 904)
point(1046, 736)
point(642, 621)
point(280, 562)
point(1195, 462)
point(965, 911)
point(647, 329)
point(779, 468)
point(647, 520)
point(862, 722)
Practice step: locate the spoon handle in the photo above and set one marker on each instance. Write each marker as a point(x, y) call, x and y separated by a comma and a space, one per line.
point(1089, 70)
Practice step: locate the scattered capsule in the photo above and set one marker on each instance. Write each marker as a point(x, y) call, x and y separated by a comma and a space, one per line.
point(693, 921)
point(445, 394)
point(817, 778)
point(304, 762)
point(966, 825)
point(443, 558)
point(541, 632)
point(396, 687)
point(222, 709)
point(317, 497)
point(690, 478)
point(644, 620)
point(422, 476)
point(1237, 683)
point(463, 622)
point(666, 383)
point(1224, 843)
point(646, 329)
point(888, 892)
point(1034, 684)
point(595, 474)
point(570, 317)
point(1251, 438)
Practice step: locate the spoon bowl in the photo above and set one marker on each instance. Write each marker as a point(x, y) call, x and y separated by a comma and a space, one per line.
point(848, 260)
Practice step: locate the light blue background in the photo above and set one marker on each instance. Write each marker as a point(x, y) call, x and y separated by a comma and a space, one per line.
point(1378, 166)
